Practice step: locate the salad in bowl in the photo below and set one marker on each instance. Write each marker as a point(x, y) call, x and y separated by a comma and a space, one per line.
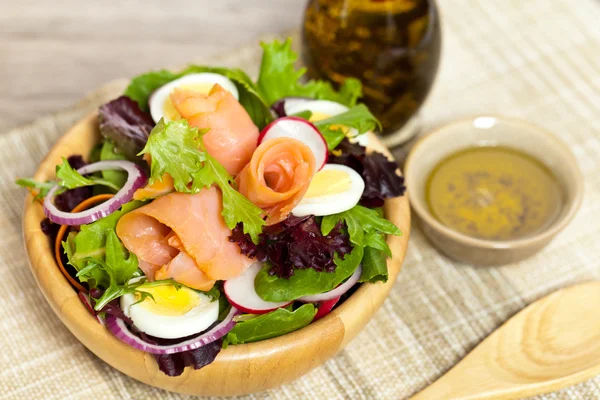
point(218, 211)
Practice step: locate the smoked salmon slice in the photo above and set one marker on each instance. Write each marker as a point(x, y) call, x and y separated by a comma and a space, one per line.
point(232, 135)
point(277, 176)
point(185, 236)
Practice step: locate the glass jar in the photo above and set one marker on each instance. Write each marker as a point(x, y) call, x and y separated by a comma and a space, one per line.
point(392, 46)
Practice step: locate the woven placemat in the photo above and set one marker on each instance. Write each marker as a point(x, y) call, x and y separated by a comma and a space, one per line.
point(538, 60)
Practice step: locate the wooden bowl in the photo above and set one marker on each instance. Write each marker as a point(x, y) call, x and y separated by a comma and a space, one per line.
point(238, 369)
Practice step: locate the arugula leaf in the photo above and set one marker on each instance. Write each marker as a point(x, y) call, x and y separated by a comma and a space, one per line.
point(270, 325)
point(42, 188)
point(174, 148)
point(109, 151)
point(142, 86)
point(119, 267)
point(279, 78)
point(112, 271)
point(306, 281)
point(71, 179)
point(374, 266)
point(358, 117)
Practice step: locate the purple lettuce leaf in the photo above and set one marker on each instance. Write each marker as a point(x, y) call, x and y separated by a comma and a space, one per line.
point(381, 180)
point(122, 121)
point(174, 364)
point(296, 242)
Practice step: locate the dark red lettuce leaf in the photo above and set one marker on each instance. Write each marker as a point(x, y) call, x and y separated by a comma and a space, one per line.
point(296, 242)
point(379, 173)
point(174, 364)
point(122, 121)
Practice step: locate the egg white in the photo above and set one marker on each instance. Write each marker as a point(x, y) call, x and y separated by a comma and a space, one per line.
point(194, 321)
point(328, 107)
point(158, 98)
point(333, 203)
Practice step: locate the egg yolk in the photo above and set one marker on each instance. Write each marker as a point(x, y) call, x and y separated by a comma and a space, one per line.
point(328, 182)
point(318, 116)
point(169, 110)
point(168, 300)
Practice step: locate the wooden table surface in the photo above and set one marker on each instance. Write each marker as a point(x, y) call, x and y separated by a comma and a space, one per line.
point(54, 52)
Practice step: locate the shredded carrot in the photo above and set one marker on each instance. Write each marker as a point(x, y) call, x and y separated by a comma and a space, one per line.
point(87, 203)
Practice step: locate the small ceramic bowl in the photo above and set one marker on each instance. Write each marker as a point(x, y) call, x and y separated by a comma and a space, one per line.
point(237, 370)
point(494, 131)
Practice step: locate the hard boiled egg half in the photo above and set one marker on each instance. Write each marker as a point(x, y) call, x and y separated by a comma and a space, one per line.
point(174, 313)
point(323, 109)
point(334, 189)
point(160, 102)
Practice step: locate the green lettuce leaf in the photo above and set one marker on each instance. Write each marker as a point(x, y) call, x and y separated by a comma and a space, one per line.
point(91, 241)
point(270, 325)
point(142, 86)
point(374, 266)
point(174, 148)
point(361, 223)
point(108, 152)
point(358, 117)
point(367, 228)
point(71, 179)
point(306, 281)
point(279, 78)
point(119, 265)
point(101, 259)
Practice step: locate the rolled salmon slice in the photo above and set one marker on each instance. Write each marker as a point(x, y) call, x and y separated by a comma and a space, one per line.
point(277, 176)
point(232, 136)
point(189, 224)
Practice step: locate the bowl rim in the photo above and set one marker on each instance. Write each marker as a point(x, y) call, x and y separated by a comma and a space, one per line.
point(545, 235)
point(284, 358)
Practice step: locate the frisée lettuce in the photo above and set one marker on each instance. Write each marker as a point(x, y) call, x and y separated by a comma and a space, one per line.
point(176, 149)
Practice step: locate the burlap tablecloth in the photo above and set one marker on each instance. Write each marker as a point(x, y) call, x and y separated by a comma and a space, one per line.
point(537, 59)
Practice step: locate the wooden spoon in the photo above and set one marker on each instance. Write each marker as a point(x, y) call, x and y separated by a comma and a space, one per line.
point(553, 343)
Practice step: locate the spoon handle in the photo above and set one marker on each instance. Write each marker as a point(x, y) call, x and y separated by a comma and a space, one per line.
point(552, 343)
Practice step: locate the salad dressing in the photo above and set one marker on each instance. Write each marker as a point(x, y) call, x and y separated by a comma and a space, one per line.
point(493, 193)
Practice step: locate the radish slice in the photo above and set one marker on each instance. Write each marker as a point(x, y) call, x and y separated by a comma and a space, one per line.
point(325, 308)
point(299, 129)
point(136, 178)
point(120, 330)
point(241, 294)
point(337, 292)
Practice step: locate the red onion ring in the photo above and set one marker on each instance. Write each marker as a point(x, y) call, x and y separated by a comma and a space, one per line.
point(136, 178)
point(120, 330)
point(338, 291)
